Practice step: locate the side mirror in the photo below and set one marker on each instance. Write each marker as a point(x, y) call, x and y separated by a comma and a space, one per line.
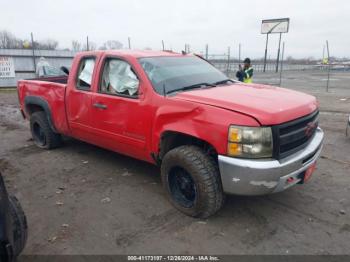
point(65, 70)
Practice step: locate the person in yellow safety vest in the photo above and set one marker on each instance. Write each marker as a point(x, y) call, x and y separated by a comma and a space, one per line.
point(245, 74)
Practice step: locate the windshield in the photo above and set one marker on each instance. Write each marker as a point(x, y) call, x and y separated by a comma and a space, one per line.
point(174, 73)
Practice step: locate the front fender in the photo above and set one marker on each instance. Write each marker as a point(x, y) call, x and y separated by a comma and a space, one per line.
point(207, 123)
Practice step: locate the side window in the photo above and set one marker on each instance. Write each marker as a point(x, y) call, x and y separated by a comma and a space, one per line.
point(86, 68)
point(118, 78)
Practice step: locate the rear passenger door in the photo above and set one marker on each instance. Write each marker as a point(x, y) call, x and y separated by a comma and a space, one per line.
point(79, 95)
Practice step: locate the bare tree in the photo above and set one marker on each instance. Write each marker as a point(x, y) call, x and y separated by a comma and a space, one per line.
point(92, 46)
point(7, 40)
point(289, 58)
point(49, 44)
point(111, 44)
point(76, 46)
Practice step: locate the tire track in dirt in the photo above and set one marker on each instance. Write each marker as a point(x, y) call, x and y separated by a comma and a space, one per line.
point(167, 222)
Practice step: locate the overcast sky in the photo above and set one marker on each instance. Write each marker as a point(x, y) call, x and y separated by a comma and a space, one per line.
point(219, 23)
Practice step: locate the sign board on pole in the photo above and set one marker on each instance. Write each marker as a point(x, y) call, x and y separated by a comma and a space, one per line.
point(271, 26)
point(7, 67)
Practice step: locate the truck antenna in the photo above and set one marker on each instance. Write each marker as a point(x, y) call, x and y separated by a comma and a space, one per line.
point(164, 90)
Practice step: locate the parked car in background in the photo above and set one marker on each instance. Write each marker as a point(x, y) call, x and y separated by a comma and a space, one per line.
point(210, 135)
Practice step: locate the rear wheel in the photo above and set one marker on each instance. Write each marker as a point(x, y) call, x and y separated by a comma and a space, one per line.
point(192, 181)
point(42, 133)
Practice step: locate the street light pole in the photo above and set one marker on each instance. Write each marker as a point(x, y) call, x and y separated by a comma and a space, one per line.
point(33, 53)
point(281, 65)
point(278, 53)
point(267, 41)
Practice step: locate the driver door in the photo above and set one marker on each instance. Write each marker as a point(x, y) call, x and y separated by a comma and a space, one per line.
point(118, 111)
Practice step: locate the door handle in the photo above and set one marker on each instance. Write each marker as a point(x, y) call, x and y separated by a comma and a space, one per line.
point(100, 106)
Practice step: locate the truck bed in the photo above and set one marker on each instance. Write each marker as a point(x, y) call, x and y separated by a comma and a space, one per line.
point(53, 79)
point(51, 93)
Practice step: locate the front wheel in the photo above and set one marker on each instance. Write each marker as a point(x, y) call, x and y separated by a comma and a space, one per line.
point(19, 226)
point(192, 181)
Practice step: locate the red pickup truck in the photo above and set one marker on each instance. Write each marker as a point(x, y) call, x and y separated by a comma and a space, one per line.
point(210, 135)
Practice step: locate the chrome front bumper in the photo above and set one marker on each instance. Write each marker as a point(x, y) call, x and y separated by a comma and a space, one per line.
point(260, 177)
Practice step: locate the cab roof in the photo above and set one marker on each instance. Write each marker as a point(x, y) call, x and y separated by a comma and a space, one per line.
point(133, 53)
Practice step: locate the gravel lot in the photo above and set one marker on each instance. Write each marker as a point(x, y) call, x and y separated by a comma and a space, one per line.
point(81, 199)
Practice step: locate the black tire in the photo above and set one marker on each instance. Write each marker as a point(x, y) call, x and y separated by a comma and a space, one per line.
point(199, 176)
point(20, 227)
point(42, 133)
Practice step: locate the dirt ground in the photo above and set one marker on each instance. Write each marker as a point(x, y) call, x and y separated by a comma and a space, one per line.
point(81, 199)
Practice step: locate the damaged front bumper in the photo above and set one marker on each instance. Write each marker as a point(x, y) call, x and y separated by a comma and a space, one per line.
point(260, 177)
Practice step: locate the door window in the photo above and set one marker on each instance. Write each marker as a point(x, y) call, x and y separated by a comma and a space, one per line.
point(118, 78)
point(86, 68)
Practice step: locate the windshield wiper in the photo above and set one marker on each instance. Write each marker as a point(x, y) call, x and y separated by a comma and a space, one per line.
point(191, 87)
point(224, 81)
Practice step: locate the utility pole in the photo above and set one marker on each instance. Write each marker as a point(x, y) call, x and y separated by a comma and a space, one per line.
point(206, 51)
point(278, 53)
point(239, 53)
point(33, 53)
point(129, 42)
point(187, 48)
point(163, 45)
point(228, 60)
point(329, 65)
point(87, 43)
point(323, 53)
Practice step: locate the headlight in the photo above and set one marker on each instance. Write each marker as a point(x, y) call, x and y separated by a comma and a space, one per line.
point(249, 142)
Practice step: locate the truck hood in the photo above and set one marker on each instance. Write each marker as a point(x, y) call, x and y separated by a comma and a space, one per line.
point(269, 105)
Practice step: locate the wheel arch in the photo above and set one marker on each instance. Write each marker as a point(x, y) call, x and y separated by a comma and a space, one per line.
point(171, 139)
point(34, 104)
